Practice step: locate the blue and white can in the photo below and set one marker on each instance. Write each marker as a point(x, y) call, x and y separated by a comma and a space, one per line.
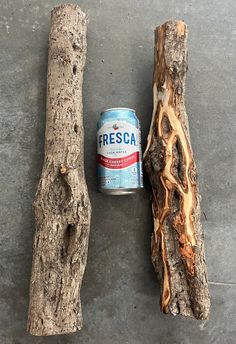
point(119, 154)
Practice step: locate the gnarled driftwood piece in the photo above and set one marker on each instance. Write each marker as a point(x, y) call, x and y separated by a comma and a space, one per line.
point(62, 206)
point(177, 241)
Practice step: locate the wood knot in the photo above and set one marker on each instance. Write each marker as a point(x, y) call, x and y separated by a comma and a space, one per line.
point(65, 169)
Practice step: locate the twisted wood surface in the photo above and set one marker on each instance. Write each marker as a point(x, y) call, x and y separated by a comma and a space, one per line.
point(177, 241)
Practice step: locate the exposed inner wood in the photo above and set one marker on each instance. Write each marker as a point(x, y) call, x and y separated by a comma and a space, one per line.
point(177, 242)
point(62, 206)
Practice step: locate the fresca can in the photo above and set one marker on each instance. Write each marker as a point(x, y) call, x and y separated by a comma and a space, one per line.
point(119, 155)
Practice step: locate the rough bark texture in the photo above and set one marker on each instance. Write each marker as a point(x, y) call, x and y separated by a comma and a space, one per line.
point(177, 242)
point(62, 206)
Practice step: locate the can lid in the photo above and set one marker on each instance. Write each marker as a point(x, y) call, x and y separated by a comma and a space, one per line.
point(117, 108)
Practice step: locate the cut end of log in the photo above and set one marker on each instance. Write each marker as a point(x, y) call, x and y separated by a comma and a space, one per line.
point(38, 329)
point(177, 242)
point(68, 8)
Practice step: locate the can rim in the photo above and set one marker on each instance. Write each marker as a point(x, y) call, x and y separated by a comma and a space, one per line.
point(117, 108)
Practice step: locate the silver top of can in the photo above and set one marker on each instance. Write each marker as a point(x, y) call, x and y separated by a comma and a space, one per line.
point(118, 108)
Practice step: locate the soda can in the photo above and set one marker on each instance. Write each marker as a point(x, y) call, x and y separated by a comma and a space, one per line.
point(119, 154)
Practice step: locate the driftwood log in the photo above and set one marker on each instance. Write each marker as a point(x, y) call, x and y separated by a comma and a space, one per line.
point(62, 207)
point(177, 241)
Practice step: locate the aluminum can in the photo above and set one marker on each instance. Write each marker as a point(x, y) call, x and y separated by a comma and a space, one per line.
point(119, 154)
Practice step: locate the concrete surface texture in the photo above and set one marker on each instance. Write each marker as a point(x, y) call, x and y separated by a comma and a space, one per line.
point(120, 293)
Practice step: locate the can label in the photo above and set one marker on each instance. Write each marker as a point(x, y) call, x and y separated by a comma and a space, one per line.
point(119, 153)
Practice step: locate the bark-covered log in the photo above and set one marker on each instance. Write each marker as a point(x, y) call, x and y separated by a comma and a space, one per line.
point(177, 242)
point(62, 206)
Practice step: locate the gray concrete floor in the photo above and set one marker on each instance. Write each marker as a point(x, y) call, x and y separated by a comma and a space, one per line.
point(120, 294)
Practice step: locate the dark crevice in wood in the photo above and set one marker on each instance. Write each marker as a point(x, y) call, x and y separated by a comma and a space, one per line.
point(74, 69)
point(176, 199)
point(68, 236)
point(76, 128)
point(178, 162)
point(166, 127)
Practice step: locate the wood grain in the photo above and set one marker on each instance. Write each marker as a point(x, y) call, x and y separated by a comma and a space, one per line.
point(62, 207)
point(177, 241)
